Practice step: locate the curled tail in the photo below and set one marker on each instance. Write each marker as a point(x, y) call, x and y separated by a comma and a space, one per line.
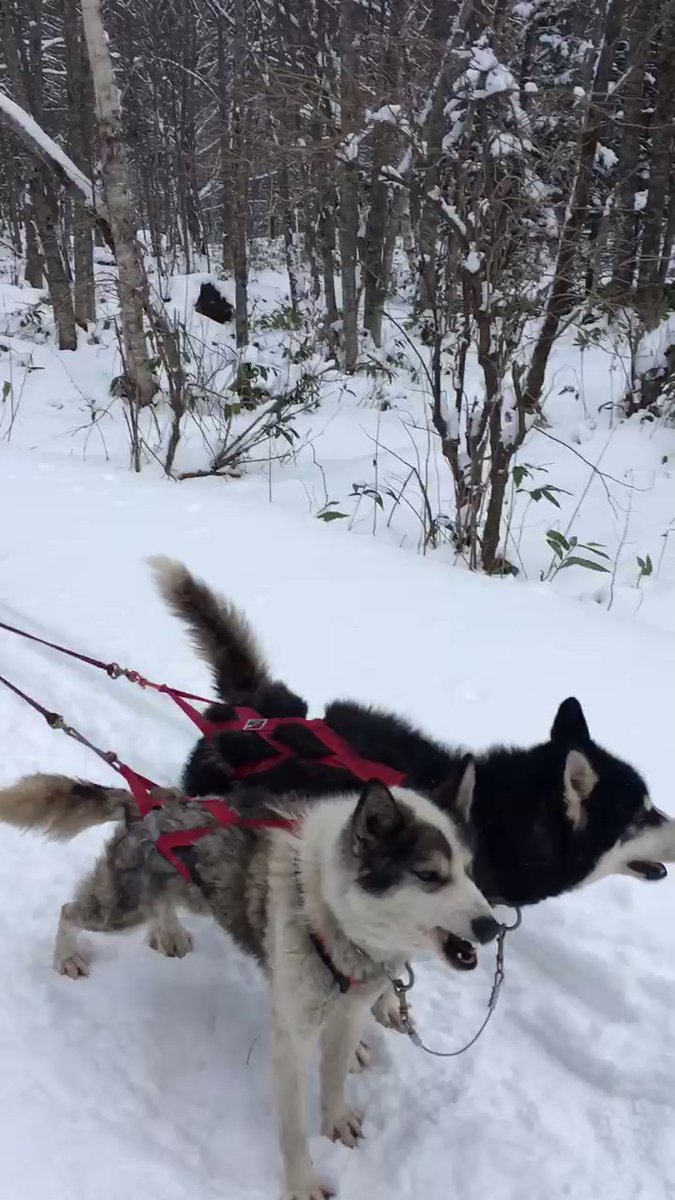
point(221, 634)
point(61, 807)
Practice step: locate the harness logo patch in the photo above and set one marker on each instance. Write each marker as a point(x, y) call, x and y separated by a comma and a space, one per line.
point(255, 723)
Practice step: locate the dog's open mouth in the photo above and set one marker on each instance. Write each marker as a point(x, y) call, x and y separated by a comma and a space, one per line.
point(457, 952)
point(649, 871)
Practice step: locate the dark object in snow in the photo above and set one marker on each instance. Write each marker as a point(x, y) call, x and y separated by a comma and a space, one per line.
point(122, 387)
point(211, 304)
point(653, 393)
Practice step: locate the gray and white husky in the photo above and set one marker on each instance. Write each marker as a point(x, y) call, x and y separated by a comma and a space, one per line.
point(332, 908)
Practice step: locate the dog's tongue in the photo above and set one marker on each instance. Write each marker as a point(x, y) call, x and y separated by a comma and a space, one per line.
point(460, 954)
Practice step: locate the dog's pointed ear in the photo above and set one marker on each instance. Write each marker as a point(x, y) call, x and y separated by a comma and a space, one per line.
point(570, 724)
point(456, 794)
point(376, 814)
point(465, 787)
point(579, 781)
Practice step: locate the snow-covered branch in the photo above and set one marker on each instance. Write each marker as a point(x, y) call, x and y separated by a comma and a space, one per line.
point(42, 146)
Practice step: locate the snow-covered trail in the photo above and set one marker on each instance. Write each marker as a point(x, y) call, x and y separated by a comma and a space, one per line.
point(151, 1076)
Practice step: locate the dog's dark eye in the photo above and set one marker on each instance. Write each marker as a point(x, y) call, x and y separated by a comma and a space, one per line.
point(431, 877)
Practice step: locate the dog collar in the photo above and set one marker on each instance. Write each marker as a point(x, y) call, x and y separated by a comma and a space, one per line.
point(344, 982)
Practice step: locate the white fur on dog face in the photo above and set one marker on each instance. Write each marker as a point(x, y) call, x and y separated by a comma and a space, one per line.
point(406, 918)
point(654, 843)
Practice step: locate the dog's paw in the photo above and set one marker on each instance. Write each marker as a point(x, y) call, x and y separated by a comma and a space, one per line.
point(387, 1011)
point(311, 1189)
point(174, 942)
point(75, 966)
point(345, 1128)
point(361, 1059)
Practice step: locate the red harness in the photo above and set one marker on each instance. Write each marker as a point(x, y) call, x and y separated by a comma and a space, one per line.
point(339, 754)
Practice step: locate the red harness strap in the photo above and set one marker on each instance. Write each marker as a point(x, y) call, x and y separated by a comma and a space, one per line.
point(339, 754)
point(168, 843)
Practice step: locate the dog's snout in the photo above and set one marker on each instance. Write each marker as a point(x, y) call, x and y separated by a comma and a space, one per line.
point(485, 929)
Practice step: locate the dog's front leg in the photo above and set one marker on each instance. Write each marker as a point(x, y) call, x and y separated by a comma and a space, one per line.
point(340, 1040)
point(166, 934)
point(387, 1010)
point(292, 1048)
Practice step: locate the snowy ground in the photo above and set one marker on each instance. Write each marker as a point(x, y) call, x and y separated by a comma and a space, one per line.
point(612, 479)
point(151, 1076)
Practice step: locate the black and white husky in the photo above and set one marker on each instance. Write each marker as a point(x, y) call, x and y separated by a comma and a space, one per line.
point(542, 820)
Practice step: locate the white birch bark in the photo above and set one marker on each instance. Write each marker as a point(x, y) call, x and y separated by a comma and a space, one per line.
point(120, 211)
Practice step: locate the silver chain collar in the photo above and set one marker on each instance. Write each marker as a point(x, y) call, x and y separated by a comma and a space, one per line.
point(401, 989)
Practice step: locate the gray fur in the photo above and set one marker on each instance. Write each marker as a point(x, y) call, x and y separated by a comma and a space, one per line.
point(59, 806)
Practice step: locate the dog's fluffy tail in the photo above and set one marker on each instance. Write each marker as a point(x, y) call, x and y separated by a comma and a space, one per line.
point(61, 807)
point(221, 634)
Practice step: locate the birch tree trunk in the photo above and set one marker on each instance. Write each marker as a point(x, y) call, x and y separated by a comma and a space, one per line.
point(327, 204)
point(377, 260)
point(224, 138)
point(34, 272)
point(240, 172)
point(116, 183)
point(626, 232)
point(430, 168)
point(25, 69)
point(349, 189)
point(562, 294)
point(80, 105)
point(45, 204)
point(649, 285)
